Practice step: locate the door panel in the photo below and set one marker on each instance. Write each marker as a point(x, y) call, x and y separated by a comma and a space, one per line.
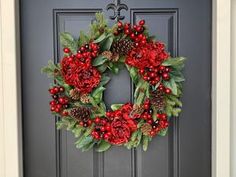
point(185, 26)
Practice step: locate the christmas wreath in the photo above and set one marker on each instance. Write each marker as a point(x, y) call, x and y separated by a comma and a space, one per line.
point(81, 76)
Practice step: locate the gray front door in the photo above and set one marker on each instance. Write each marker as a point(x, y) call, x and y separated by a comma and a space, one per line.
point(184, 25)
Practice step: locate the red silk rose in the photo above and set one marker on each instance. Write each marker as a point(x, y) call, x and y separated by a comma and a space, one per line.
point(149, 55)
point(75, 74)
point(122, 125)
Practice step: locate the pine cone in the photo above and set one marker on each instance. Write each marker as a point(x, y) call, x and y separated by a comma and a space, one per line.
point(137, 109)
point(146, 129)
point(157, 100)
point(74, 94)
point(111, 56)
point(122, 47)
point(85, 99)
point(107, 54)
point(80, 113)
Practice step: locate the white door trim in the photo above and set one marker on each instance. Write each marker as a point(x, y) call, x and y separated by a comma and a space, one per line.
point(10, 89)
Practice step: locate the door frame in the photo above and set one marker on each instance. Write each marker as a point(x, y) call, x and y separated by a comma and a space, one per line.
point(10, 88)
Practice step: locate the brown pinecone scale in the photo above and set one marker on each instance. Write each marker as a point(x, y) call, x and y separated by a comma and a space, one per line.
point(146, 129)
point(80, 113)
point(74, 94)
point(122, 47)
point(157, 100)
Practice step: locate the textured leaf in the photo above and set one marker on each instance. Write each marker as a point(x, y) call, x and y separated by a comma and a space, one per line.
point(174, 61)
point(115, 106)
point(99, 60)
point(67, 40)
point(163, 132)
point(88, 146)
point(85, 141)
point(172, 85)
point(100, 38)
point(114, 69)
point(83, 38)
point(103, 146)
point(145, 142)
point(102, 68)
point(104, 80)
point(98, 90)
point(106, 44)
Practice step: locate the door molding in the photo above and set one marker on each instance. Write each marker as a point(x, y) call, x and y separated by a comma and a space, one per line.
point(10, 89)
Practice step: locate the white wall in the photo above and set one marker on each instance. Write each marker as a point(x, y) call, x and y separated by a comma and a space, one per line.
point(233, 90)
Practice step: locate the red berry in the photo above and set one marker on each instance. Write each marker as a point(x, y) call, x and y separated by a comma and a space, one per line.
point(61, 100)
point(66, 50)
point(127, 26)
point(81, 124)
point(168, 91)
point(141, 22)
point(102, 129)
point(70, 59)
point(167, 69)
point(52, 108)
point(135, 27)
point(108, 127)
point(146, 106)
point(132, 35)
point(58, 106)
point(163, 116)
point(103, 122)
point(152, 74)
point(53, 102)
point(127, 31)
point(105, 136)
point(159, 116)
point(119, 24)
point(79, 55)
point(57, 110)
point(82, 49)
point(150, 121)
point(51, 91)
point(152, 133)
point(61, 89)
point(56, 89)
point(165, 76)
point(65, 113)
point(162, 68)
point(108, 114)
point(97, 120)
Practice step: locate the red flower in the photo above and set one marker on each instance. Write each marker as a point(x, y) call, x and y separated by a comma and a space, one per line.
point(149, 55)
point(122, 126)
point(83, 77)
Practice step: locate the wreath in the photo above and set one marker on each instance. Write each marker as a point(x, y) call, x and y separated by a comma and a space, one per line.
point(81, 76)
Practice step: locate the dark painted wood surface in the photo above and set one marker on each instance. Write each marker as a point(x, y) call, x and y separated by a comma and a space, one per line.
point(184, 25)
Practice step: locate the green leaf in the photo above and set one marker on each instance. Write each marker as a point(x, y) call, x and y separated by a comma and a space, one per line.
point(49, 69)
point(98, 91)
point(67, 40)
point(163, 132)
point(83, 38)
point(115, 107)
point(171, 85)
point(145, 142)
point(174, 61)
point(103, 146)
point(133, 74)
point(106, 44)
point(88, 146)
point(99, 60)
point(102, 68)
point(100, 38)
point(104, 80)
point(114, 69)
point(85, 141)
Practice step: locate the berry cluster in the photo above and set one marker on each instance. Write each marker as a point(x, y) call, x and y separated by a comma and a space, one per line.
point(60, 101)
point(157, 125)
point(135, 33)
point(102, 129)
point(84, 54)
point(154, 74)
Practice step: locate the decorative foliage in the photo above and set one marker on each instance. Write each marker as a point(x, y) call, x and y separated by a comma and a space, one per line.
point(80, 80)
